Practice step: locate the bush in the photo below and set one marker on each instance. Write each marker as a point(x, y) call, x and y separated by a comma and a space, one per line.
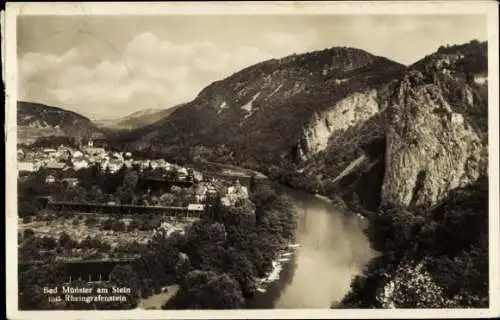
point(26, 209)
point(65, 241)
point(28, 233)
point(133, 225)
point(118, 226)
point(107, 224)
point(91, 221)
point(27, 219)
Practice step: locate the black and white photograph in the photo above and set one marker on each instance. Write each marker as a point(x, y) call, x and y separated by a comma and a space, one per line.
point(251, 158)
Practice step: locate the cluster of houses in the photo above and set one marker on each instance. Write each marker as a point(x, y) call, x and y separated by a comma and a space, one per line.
point(230, 194)
point(65, 158)
point(235, 193)
point(60, 158)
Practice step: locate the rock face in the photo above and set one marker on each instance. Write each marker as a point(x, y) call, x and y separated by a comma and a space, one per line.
point(353, 109)
point(414, 139)
point(431, 149)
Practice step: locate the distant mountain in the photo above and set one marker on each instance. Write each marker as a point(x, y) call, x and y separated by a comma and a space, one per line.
point(136, 120)
point(35, 120)
point(261, 114)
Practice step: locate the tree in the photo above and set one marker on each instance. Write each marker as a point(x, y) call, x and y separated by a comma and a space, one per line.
point(125, 276)
point(26, 209)
point(65, 241)
point(118, 226)
point(168, 199)
point(28, 233)
point(96, 195)
point(91, 221)
point(31, 283)
point(207, 290)
point(107, 224)
point(242, 270)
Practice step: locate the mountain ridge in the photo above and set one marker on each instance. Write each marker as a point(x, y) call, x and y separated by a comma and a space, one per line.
point(236, 117)
point(37, 120)
point(137, 119)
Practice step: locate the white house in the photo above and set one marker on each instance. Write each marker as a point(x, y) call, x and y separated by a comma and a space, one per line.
point(201, 193)
point(238, 190)
point(49, 151)
point(457, 118)
point(50, 179)
point(52, 164)
point(77, 154)
point(28, 166)
point(235, 193)
point(182, 173)
point(114, 165)
point(80, 163)
point(72, 182)
point(196, 207)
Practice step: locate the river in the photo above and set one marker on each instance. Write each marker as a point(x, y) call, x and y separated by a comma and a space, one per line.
point(333, 249)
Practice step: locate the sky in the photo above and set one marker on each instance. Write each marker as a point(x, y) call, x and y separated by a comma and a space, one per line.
point(106, 67)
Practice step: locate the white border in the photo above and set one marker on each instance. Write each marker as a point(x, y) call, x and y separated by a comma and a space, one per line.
point(488, 8)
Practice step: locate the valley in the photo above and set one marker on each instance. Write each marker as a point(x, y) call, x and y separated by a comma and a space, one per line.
point(400, 151)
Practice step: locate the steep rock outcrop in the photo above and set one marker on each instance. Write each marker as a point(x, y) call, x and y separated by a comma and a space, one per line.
point(351, 110)
point(431, 149)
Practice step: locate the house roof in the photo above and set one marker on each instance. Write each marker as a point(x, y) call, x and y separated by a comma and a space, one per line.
point(195, 207)
point(55, 165)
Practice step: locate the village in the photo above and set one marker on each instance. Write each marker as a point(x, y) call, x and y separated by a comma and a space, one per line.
point(165, 198)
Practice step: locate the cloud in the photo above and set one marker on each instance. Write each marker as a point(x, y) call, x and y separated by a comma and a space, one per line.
point(150, 73)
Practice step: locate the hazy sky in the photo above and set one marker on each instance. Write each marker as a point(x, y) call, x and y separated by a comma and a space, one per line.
point(109, 66)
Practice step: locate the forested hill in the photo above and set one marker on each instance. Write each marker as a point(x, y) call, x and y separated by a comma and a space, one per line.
point(261, 114)
point(35, 120)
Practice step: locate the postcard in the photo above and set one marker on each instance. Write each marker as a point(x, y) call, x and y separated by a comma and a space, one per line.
point(251, 160)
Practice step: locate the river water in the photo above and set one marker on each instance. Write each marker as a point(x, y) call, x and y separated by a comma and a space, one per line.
point(333, 249)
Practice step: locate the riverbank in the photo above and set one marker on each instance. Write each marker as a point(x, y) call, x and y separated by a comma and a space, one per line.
point(284, 256)
point(156, 301)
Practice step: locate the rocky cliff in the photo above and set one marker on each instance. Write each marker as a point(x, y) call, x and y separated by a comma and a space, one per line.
point(351, 110)
point(432, 226)
point(436, 128)
point(408, 143)
point(431, 148)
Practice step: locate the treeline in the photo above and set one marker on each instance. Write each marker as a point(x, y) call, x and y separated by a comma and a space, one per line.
point(229, 252)
point(436, 258)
